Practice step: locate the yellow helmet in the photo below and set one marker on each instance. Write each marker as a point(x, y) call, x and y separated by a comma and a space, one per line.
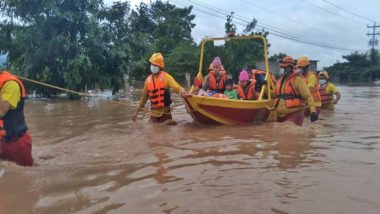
point(303, 61)
point(157, 59)
point(324, 75)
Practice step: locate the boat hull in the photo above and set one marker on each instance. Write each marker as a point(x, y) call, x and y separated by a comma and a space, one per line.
point(210, 110)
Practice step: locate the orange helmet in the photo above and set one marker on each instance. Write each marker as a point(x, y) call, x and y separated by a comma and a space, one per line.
point(324, 75)
point(286, 61)
point(303, 61)
point(157, 59)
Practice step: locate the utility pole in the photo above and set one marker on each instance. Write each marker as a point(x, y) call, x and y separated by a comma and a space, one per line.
point(372, 42)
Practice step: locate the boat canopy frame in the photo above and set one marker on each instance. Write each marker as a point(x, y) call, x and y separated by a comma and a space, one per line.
point(268, 77)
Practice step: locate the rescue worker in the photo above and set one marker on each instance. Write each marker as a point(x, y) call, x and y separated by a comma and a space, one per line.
point(312, 82)
point(214, 81)
point(157, 89)
point(327, 91)
point(15, 142)
point(292, 95)
point(246, 89)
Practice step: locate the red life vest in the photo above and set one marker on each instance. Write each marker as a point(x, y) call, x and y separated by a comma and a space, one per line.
point(158, 94)
point(289, 94)
point(214, 85)
point(13, 124)
point(325, 97)
point(315, 91)
point(249, 93)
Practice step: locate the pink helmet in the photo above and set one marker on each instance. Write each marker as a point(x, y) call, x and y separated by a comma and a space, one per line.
point(243, 76)
point(216, 61)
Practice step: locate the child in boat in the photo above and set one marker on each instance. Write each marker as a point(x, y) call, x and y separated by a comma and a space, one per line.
point(245, 89)
point(230, 92)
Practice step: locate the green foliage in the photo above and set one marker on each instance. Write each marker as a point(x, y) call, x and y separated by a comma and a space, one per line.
point(277, 57)
point(183, 59)
point(84, 44)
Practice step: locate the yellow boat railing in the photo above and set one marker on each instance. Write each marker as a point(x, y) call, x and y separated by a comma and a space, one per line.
point(268, 77)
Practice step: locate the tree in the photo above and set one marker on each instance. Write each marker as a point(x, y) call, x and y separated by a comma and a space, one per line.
point(277, 57)
point(358, 68)
point(158, 27)
point(183, 59)
point(47, 40)
point(229, 25)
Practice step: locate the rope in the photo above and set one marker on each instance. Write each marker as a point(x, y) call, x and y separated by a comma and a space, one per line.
point(55, 87)
point(145, 110)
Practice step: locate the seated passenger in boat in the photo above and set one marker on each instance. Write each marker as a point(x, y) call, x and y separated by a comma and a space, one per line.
point(258, 78)
point(214, 81)
point(230, 92)
point(245, 88)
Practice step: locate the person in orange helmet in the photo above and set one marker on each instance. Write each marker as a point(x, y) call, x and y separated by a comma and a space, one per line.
point(292, 95)
point(327, 91)
point(311, 80)
point(157, 90)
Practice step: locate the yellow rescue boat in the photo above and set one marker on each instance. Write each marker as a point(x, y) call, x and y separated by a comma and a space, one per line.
point(211, 110)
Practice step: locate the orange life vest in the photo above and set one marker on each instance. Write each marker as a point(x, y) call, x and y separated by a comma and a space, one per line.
point(315, 91)
point(290, 95)
point(158, 94)
point(325, 97)
point(13, 124)
point(249, 93)
point(213, 84)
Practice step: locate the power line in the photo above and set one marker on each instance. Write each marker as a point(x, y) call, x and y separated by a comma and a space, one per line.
point(259, 24)
point(292, 20)
point(333, 13)
point(347, 11)
point(236, 16)
point(241, 18)
point(373, 41)
point(271, 31)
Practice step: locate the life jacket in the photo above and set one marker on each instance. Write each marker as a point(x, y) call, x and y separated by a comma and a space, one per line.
point(13, 124)
point(249, 93)
point(325, 97)
point(290, 95)
point(158, 94)
point(315, 91)
point(214, 85)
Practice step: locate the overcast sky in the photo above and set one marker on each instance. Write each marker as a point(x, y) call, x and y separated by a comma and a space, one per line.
point(318, 23)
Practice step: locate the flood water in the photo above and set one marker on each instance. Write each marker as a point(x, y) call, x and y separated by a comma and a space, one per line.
point(91, 158)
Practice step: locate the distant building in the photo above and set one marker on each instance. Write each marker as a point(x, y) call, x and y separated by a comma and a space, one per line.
point(274, 66)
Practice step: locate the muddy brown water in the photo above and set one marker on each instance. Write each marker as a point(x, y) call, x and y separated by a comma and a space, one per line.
point(93, 159)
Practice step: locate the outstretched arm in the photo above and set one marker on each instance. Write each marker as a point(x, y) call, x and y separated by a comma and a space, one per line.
point(175, 86)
